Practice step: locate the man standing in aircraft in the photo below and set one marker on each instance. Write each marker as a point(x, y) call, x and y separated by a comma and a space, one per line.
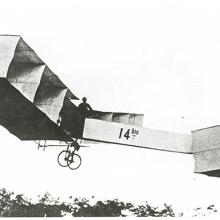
point(85, 109)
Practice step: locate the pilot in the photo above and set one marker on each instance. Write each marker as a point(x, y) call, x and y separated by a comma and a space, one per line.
point(85, 109)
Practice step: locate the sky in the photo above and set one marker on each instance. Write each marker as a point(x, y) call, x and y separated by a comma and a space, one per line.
point(156, 57)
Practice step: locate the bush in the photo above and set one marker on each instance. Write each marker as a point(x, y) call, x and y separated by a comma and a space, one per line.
point(12, 205)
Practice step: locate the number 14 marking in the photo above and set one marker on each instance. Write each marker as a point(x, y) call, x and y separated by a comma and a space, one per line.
point(126, 134)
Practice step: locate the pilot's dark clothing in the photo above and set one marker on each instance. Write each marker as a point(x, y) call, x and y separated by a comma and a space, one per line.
point(85, 109)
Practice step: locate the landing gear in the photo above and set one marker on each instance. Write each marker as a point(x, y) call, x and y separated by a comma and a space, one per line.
point(74, 161)
point(63, 157)
point(68, 157)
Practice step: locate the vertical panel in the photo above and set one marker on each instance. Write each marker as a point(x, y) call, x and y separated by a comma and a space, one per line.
point(136, 119)
point(49, 99)
point(120, 117)
point(7, 49)
point(206, 148)
point(26, 78)
point(207, 138)
point(105, 116)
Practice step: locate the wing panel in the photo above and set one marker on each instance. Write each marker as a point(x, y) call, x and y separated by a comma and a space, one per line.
point(24, 54)
point(105, 116)
point(136, 119)
point(207, 138)
point(23, 119)
point(206, 148)
point(7, 48)
point(26, 78)
point(120, 117)
point(207, 160)
point(50, 95)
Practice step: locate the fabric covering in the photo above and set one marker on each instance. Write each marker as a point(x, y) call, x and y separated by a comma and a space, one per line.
point(120, 117)
point(131, 135)
point(206, 150)
point(31, 95)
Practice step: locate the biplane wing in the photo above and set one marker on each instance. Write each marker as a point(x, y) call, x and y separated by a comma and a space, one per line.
point(31, 95)
point(32, 98)
point(20, 117)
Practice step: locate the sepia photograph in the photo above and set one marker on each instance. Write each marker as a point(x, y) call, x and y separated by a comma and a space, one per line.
point(109, 108)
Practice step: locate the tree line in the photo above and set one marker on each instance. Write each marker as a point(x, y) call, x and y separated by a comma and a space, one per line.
point(17, 205)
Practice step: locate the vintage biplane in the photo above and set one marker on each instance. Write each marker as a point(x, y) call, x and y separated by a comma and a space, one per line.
point(32, 99)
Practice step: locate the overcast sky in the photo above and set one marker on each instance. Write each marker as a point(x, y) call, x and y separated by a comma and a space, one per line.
point(156, 57)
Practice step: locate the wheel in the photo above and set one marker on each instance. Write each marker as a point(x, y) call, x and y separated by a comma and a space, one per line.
point(74, 161)
point(63, 157)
